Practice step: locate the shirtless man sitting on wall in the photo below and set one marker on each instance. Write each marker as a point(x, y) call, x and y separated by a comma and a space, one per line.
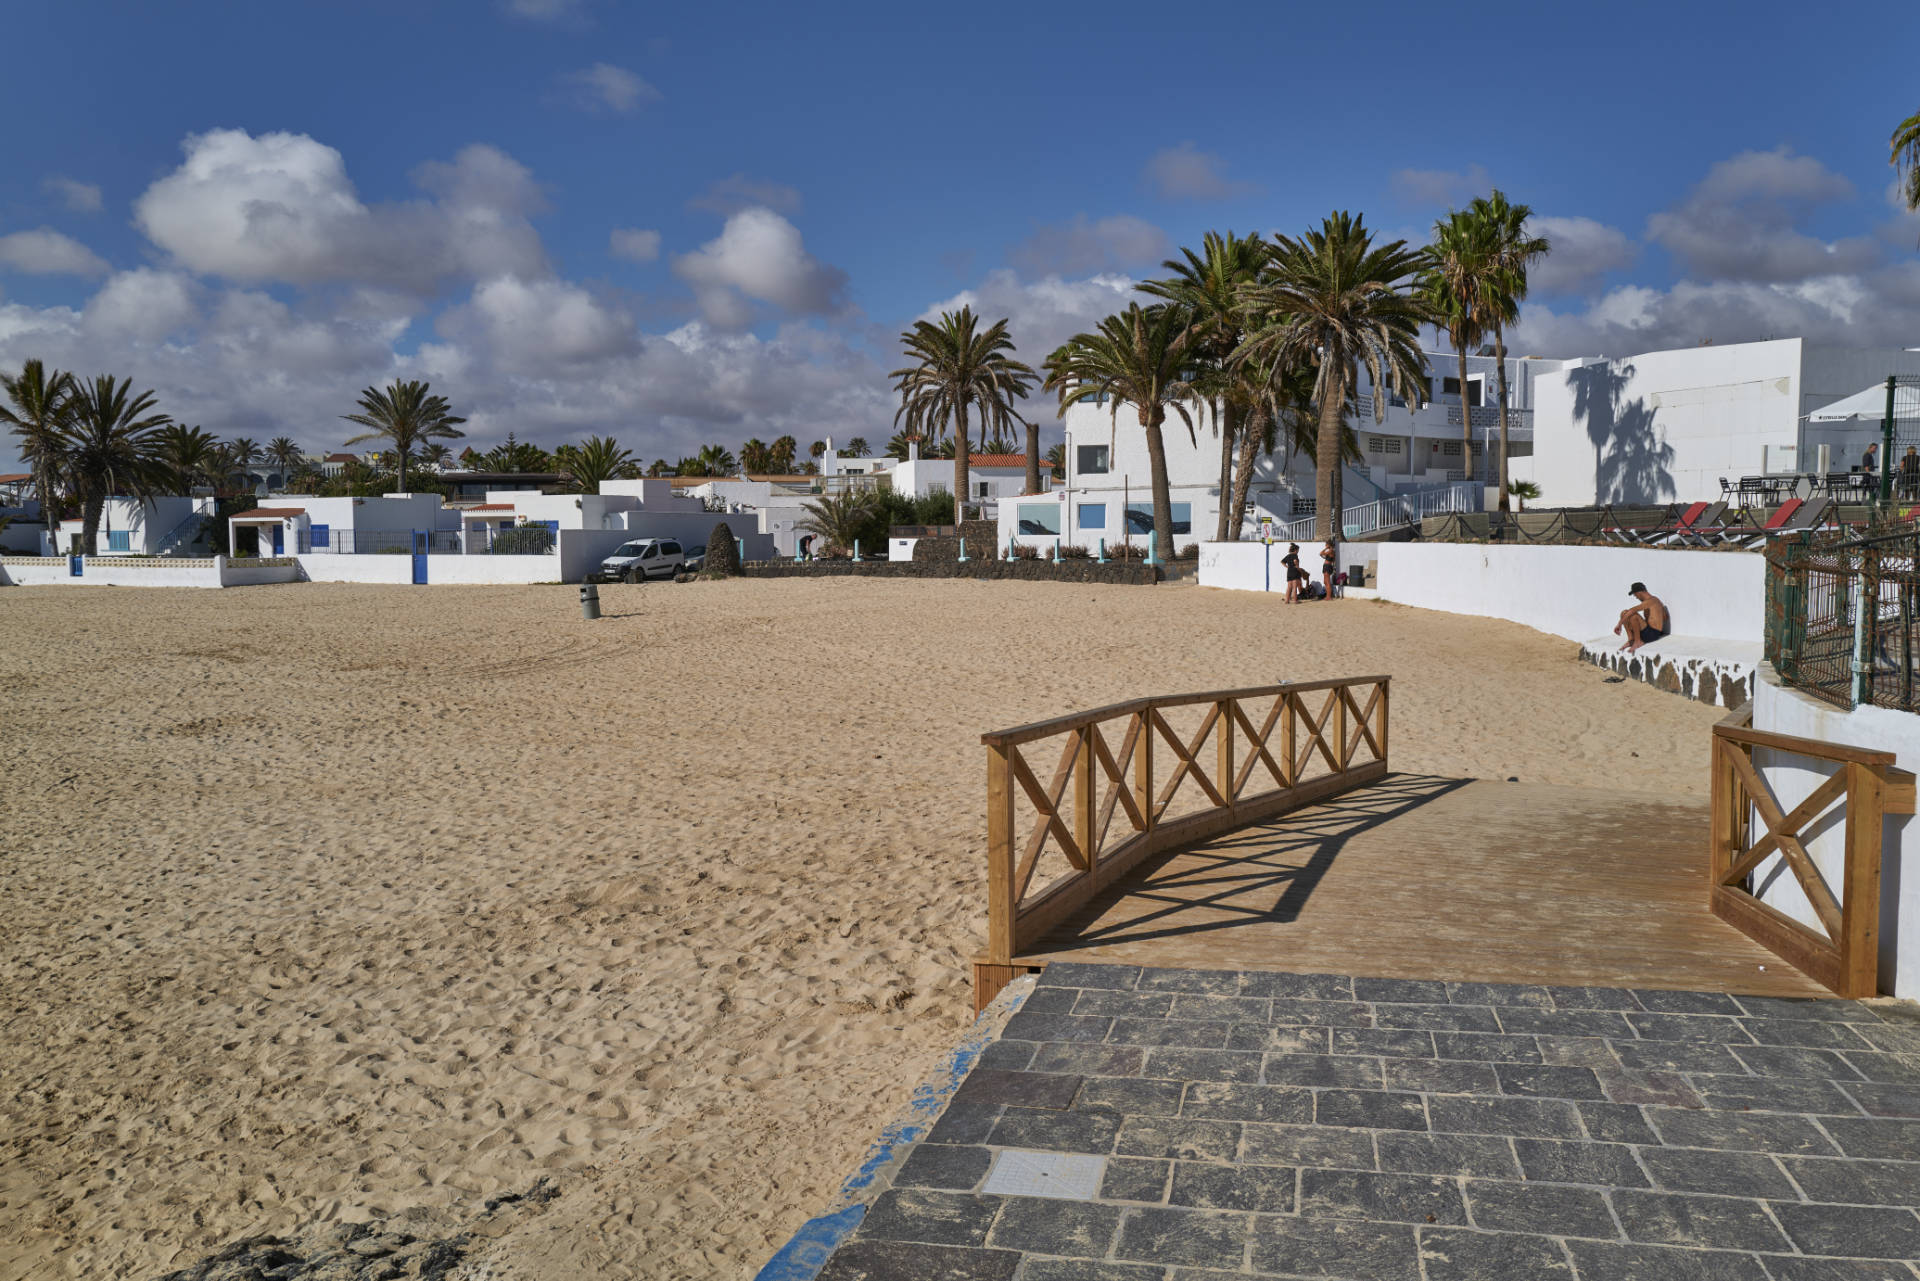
point(1647, 621)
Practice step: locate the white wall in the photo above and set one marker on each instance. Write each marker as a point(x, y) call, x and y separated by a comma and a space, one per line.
point(1785, 711)
point(1245, 567)
point(326, 567)
point(166, 571)
point(1575, 592)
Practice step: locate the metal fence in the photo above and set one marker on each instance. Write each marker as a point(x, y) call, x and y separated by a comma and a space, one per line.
point(1841, 613)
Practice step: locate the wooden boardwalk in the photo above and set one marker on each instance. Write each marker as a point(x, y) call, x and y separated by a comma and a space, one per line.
point(1432, 878)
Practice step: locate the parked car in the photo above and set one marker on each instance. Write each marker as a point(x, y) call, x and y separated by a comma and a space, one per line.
point(696, 558)
point(641, 559)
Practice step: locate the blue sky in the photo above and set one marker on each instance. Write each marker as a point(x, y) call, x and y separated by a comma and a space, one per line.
point(691, 223)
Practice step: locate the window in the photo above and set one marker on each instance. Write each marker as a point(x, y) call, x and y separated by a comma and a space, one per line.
point(1140, 518)
point(1090, 460)
point(320, 535)
point(982, 487)
point(1451, 387)
point(1451, 448)
point(119, 540)
point(1391, 445)
point(669, 549)
point(1093, 515)
point(1038, 518)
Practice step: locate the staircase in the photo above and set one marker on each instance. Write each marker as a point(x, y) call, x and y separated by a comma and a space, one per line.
point(1403, 509)
point(182, 536)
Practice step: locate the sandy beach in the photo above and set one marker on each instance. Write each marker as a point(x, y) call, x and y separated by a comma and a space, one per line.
point(327, 901)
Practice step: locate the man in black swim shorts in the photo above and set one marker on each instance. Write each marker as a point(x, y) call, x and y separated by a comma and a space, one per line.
point(1647, 621)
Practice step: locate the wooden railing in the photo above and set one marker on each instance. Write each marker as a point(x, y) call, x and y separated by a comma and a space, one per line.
point(1129, 783)
point(1843, 953)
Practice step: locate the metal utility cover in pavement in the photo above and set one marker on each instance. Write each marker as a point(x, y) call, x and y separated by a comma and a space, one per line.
point(1066, 1176)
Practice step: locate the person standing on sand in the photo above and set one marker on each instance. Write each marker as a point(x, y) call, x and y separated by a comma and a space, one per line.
point(1647, 621)
point(1295, 574)
point(1327, 556)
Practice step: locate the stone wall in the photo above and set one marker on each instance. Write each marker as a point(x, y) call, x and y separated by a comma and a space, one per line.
point(1719, 680)
point(978, 533)
point(1032, 571)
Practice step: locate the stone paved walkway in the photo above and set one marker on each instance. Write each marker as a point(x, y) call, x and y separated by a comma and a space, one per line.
point(1189, 1125)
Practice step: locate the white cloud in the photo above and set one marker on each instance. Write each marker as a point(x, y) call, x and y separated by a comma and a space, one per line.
point(729, 196)
point(1583, 250)
point(280, 208)
point(1082, 246)
point(1186, 173)
point(48, 253)
point(759, 255)
point(81, 197)
point(1041, 314)
point(1441, 186)
point(1743, 220)
point(525, 324)
point(605, 87)
point(142, 305)
point(633, 244)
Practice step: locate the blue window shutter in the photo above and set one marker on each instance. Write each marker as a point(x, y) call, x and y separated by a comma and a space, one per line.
point(320, 534)
point(119, 540)
point(553, 526)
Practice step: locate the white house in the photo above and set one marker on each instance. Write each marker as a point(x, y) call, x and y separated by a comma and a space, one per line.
point(165, 525)
point(292, 524)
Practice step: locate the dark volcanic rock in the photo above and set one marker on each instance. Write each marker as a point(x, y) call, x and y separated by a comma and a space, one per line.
point(723, 554)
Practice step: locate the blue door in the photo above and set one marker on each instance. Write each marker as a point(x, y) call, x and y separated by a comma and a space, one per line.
point(279, 541)
point(419, 555)
point(76, 566)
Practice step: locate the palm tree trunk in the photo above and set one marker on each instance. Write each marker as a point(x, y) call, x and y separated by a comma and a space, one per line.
point(1500, 355)
point(403, 470)
point(1466, 415)
point(1326, 486)
point(90, 512)
point(1150, 421)
point(960, 466)
point(1226, 421)
point(49, 505)
point(1033, 458)
point(1243, 472)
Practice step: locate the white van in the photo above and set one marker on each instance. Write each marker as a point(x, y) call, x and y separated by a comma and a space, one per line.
point(644, 558)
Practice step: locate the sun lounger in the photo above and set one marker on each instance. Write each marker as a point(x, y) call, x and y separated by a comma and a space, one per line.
point(1676, 523)
point(1792, 517)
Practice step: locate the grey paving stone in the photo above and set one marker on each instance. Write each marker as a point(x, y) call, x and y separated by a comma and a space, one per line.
point(1226, 1009)
point(1548, 1209)
point(905, 1261)
point(1887, 1100)
point(1018, 1089)
point(1138, 1005)
point(1089, 1060)
point(1321, 1013)
point(1043, 1225)
point(1482, 1156)
point(1079, 974)
point(1679, 1056)
point(1615, 1122)
point(1226, 1101)
point(1499, 994)
point(1700, 1222)
point(1132, 1178)
point(1173, 1136)
point(1534, 1118)
point(1524, 1022)
point(929, 1217)
point(1787, 1060)
point(1090, 1270)
point(1899, 1040)
point(1052, 1000)
point(1158, 1032)
point(1802, 1032)
point(1370, 1110)
point(1012, 1056)
point(1278, 1038)
point(1213, 982)
point(964, 1123)
point(1310, 987)
point(1486, 1047)
point(1415, 991)
point(1774, 1094)
point(1306, 1145)
point(1748, 1174)
point(1888, 1138)
point(1300, 1247)
point(1439, 1076)
point(1324, 1070)
point(1267, 1189)
point(1856, 1182)
point(1201, 1238)
point(1091, 1132)
point(1578, 1051)
point(1454, 1255)
point(1056, 1027)
point(1607, 1261)
point(1862, 1232)
point(1667, 1089)
point(1400, 1043)
point(943, 1165)
point(1877, 1065)
point(1801, 1268)
point(1592, 998)
point(1204, 1065)
point(1740, 1131)
point(1686, 1002)
point(1815, 1008)
point(1437, 1018)
point(1689, 1027)
point(1391, 1198)
point(1558, 1161)
point(1542, 1082)
point(1138, 1095)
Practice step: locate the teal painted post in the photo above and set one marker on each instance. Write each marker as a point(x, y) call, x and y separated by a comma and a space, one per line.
point(740, 550)
point(963, 549)
point(1103, 551)
point(856, 549)
point(1153, 548)
point(1056, 549)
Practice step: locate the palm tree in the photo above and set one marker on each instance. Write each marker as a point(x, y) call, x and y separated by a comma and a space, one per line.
point(243, 452)
point(715, 460)
point(659, 467)
point(1137, 357)
point(898, 446)
point(1280, 412)
point(756, 457)
point(1460, 271)
point(408, 415)
point(817, 450)
point(436, 456)
point(39, 404)
point(1906, 158)
point(193, 456)
point(1333, 299)
point(1057, 459)
point(596, 460)
point(1514, 250)
point(855, 448)
point(112, 448)
point(285, 455)
point(837, 518)
point(1210, 288)
point(781, 453)
point(958, 368)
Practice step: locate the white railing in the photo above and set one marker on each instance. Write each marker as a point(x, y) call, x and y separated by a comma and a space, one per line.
point(1402, 509)
point(175, 537)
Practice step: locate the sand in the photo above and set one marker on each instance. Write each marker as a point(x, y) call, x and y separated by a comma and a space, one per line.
point(328, 901)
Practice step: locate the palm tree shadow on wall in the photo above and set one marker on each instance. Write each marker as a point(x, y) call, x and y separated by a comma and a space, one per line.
point(1631, 464)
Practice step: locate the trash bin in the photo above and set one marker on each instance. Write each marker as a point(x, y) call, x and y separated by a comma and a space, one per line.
point(589, 601)
point(1356, 575)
